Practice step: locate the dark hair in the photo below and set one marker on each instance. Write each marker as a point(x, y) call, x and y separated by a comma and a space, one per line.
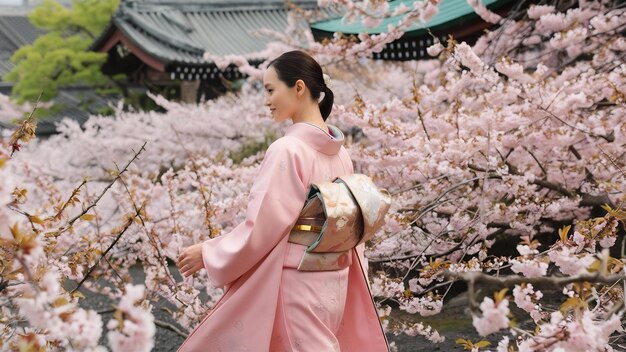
point(294, 65)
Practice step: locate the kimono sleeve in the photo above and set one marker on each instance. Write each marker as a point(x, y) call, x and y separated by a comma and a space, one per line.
point(274, 204)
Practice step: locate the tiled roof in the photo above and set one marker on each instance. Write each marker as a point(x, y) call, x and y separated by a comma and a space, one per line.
point(450, 12)
point(181, 31)
point(15, 31)
point(71, 102)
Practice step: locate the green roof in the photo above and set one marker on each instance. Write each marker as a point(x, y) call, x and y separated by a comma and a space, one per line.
point(449, 11)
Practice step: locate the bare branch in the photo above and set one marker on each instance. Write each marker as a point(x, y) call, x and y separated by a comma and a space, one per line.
point(169, 326)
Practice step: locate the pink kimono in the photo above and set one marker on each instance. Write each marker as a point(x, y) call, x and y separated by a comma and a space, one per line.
point(268, 305)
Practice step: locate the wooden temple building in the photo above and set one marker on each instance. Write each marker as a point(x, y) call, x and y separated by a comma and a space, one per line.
point(160, 43)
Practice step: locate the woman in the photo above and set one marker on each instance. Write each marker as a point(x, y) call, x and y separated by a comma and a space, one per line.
point(269, 305)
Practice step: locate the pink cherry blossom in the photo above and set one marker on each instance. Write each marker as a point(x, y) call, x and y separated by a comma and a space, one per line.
point(494, 317)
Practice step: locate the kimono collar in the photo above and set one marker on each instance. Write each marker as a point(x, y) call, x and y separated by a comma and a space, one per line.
point(316, 137)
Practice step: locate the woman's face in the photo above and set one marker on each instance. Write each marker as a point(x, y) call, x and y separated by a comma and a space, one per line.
point(281, 99)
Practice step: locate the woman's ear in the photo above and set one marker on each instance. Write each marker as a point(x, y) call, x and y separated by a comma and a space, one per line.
point(300, 87)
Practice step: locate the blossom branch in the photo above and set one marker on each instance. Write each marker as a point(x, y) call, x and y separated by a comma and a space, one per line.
point(93, 204)
point(129, 222)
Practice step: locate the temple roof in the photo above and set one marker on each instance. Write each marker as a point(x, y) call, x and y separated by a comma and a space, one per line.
point(181, 31)
point(451, 12)
point(15, 32)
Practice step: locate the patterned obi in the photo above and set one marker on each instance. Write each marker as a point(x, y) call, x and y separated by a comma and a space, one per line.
point(337, 216)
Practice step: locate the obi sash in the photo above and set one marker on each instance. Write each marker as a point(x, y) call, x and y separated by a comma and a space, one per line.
point(337, 216)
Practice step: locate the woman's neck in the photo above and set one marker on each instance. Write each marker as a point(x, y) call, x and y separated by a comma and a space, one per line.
point(310, 114)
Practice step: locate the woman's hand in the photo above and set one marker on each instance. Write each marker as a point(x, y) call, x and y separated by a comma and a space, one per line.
point(190, 260)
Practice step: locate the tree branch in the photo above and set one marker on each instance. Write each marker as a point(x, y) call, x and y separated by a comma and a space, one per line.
point(169, 326)
point(512, 280)
point(71, 222)
point(93, 267)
